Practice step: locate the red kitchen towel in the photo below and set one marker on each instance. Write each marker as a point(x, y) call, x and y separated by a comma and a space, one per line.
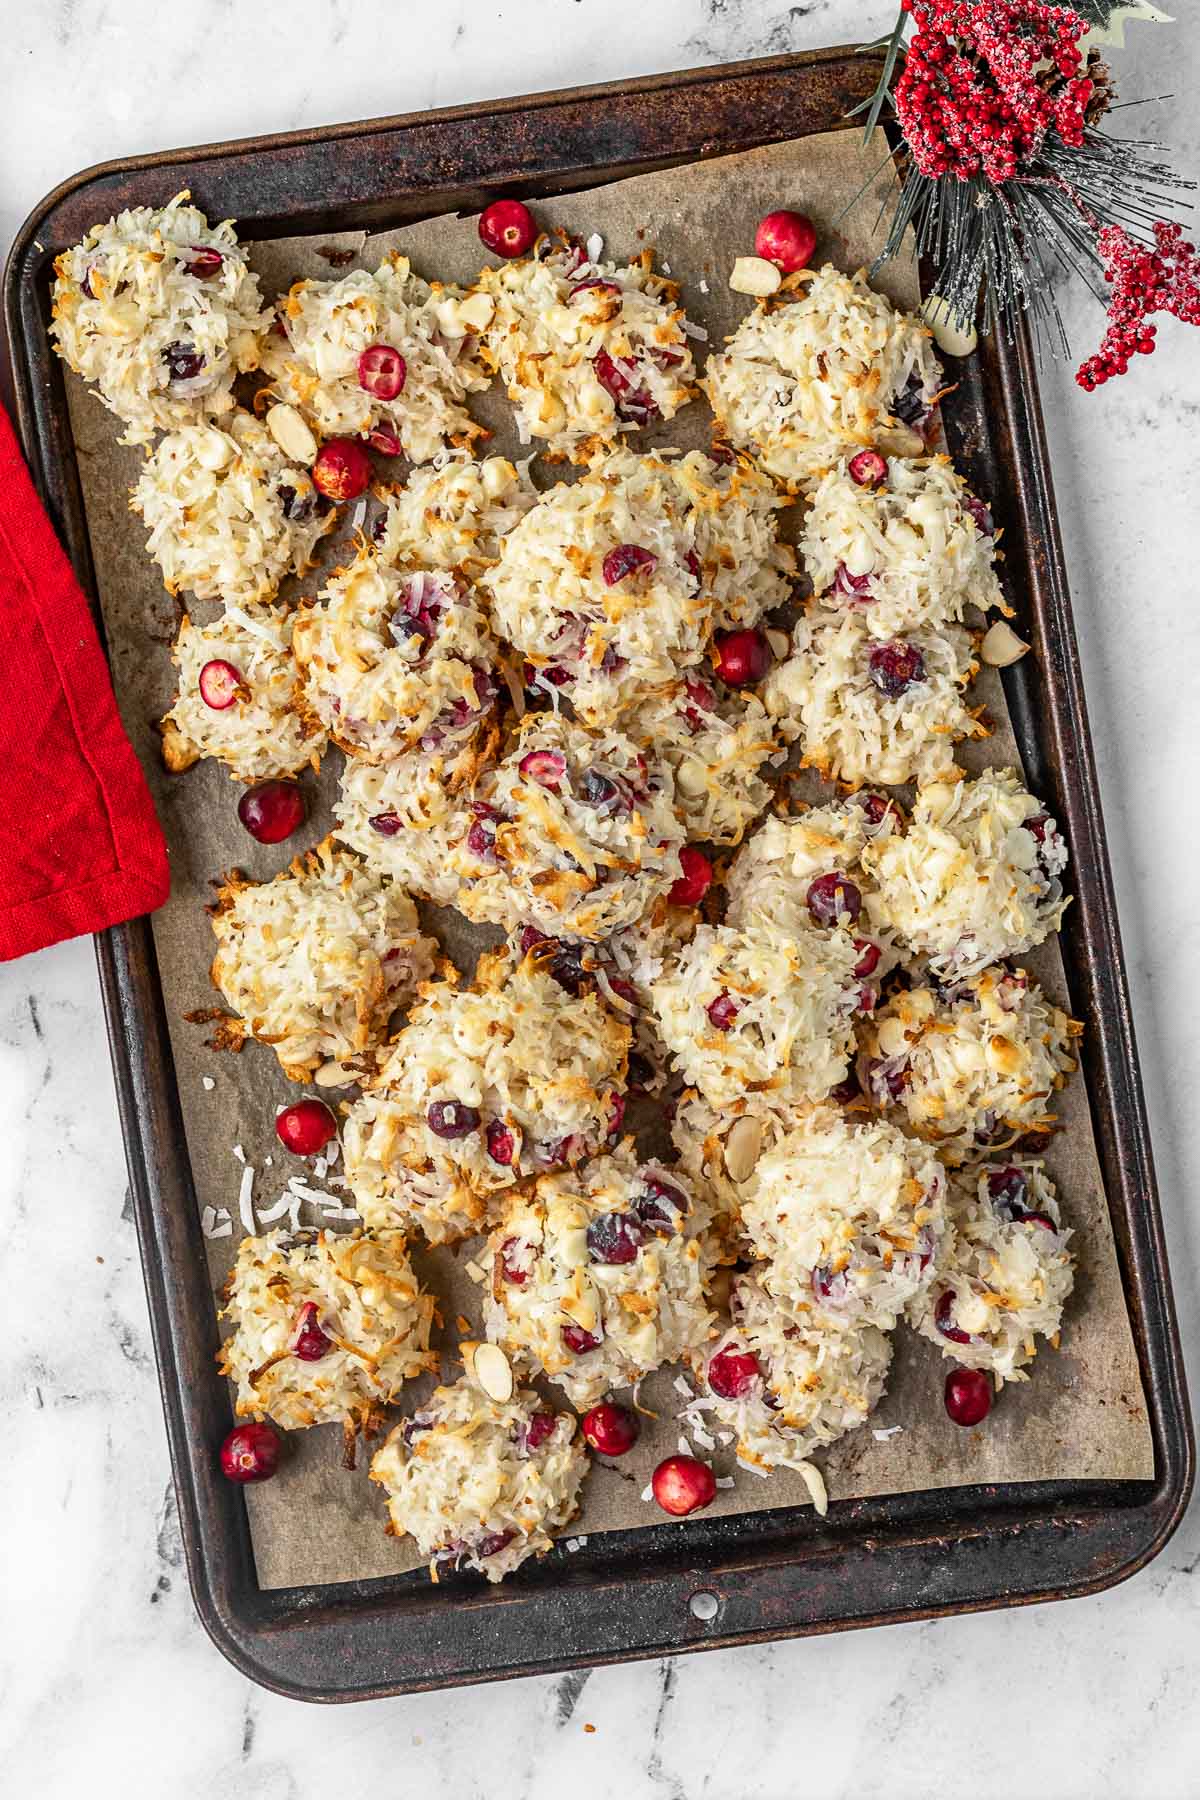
point(80, 846)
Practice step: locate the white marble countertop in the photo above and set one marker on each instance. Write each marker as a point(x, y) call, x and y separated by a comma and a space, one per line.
point(110, 1685)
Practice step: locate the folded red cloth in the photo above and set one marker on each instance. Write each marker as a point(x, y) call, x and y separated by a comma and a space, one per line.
point(80, 846)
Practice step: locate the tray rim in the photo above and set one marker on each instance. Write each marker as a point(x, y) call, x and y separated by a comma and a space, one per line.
point(249, 1630)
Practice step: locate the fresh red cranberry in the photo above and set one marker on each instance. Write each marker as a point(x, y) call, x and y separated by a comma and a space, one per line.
point(220, 684)
point(786, 239)
point(615, 1238)
point(579, 1341)
point(868, 958)
point(514, 1271)
point(695, 881)
point(183, 361)
point(968, 1396)
point(382, 372)
point(660, 1204)
point(741, 657)
point(310, 1343)
point(272, 811)
point(342, 470)
point(507, 228)
point(943, 1318)
point(627, 559)
point(682, 1485)
point(501, 1144)
point(450, 1119)
point(306, 1127)
point(723, 1011)
point(732, 1373)
point(387, 824)
point(250, 1452)
point(867, 469)
point(540, 1427)
point(833, 897)
point(546, 767)
point(611, 1430)
point(895, 667)
point(387, 444)
point(203, 261)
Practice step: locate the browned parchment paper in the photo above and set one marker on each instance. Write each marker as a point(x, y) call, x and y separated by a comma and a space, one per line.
point(1081, 1415)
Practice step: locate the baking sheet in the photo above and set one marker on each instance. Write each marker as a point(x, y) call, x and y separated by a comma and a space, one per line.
point(1082, 1415)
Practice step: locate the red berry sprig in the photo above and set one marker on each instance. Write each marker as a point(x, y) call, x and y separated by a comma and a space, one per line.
point(1143, 281)
point(974, 98)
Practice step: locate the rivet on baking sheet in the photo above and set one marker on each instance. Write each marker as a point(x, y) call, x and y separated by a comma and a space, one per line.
point(704, 1607)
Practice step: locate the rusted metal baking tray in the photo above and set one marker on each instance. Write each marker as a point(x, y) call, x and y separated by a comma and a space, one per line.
point(773, 1574)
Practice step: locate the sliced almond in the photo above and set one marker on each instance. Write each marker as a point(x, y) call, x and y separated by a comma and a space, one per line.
point(743, 1145)
point(780, 643)
point(493, 1371)
point(1001, 647)
point(949, 334)
point(291, 434)
point(755, 275)
point(476, 311)
point(900, 440)
point(335, 1075)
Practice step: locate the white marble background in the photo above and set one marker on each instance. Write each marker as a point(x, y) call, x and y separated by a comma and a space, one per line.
point(109, 1685)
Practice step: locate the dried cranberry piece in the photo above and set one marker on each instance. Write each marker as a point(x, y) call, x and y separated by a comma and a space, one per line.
point(833, 897)
point(450, 1119)
point(723, 1011)
point(310, 1343)
point(481, 841)
point(895, 667)
point(540, 1427)
point(616, 1113)
point(513, 1271)
point(184, 362)
point(342, 470)
point(943, 1318)
point(203, 261)
point(501, 1144)
point(566, 967)
point(981, 514)
point(660, 1204)
point(387, 444)
point(868, 958)
point(627, 559)
point(294, 507)
point(615, 1238)
point(885, 1084)
point(876, 807)
point(494, 1543)
point(830, 1286)
point(597, 283)
point(695, 881)
point(220, 684)
point(579, 1341)
point(1008, 1190)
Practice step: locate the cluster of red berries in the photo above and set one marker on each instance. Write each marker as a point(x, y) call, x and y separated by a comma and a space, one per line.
point(1143, 281)
point(974, 98)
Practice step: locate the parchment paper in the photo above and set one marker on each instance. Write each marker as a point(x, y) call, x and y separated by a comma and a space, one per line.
point(1081, 1415)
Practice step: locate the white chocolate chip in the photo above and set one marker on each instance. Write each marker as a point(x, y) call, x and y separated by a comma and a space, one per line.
point(692, 778)
point(948, 333)
point(742, 1148)
point(291, 434)
point(475, 312)
point(493, 1371)
point(1001, 647)
point(900, 440)
point(213, 450)
point(891, 1038)
point(754, 275)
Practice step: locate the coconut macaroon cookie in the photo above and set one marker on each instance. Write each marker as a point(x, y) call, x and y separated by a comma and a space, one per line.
point(976, 877)
point(229, 515)
point(976, 1069)
point(454, 514)
point(158, 310)
point(237, 699)
point(378, 352)
point(575, 832)
point(614, 583)
point(405, 816)
point(820, 373)
point(315, 962)
point(586, 349)
point(848, 1217)
point(391, 659)
point(758, 1010)
point(325, 1328)
point(597, 1277)
point(721, 1146)
point(1004, 1274)
point(479, 1483)
point(870, 709)
point(900, 543)
point(715, 750)
point(800, 872)
point(785, 1387)
point(485, 1085)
